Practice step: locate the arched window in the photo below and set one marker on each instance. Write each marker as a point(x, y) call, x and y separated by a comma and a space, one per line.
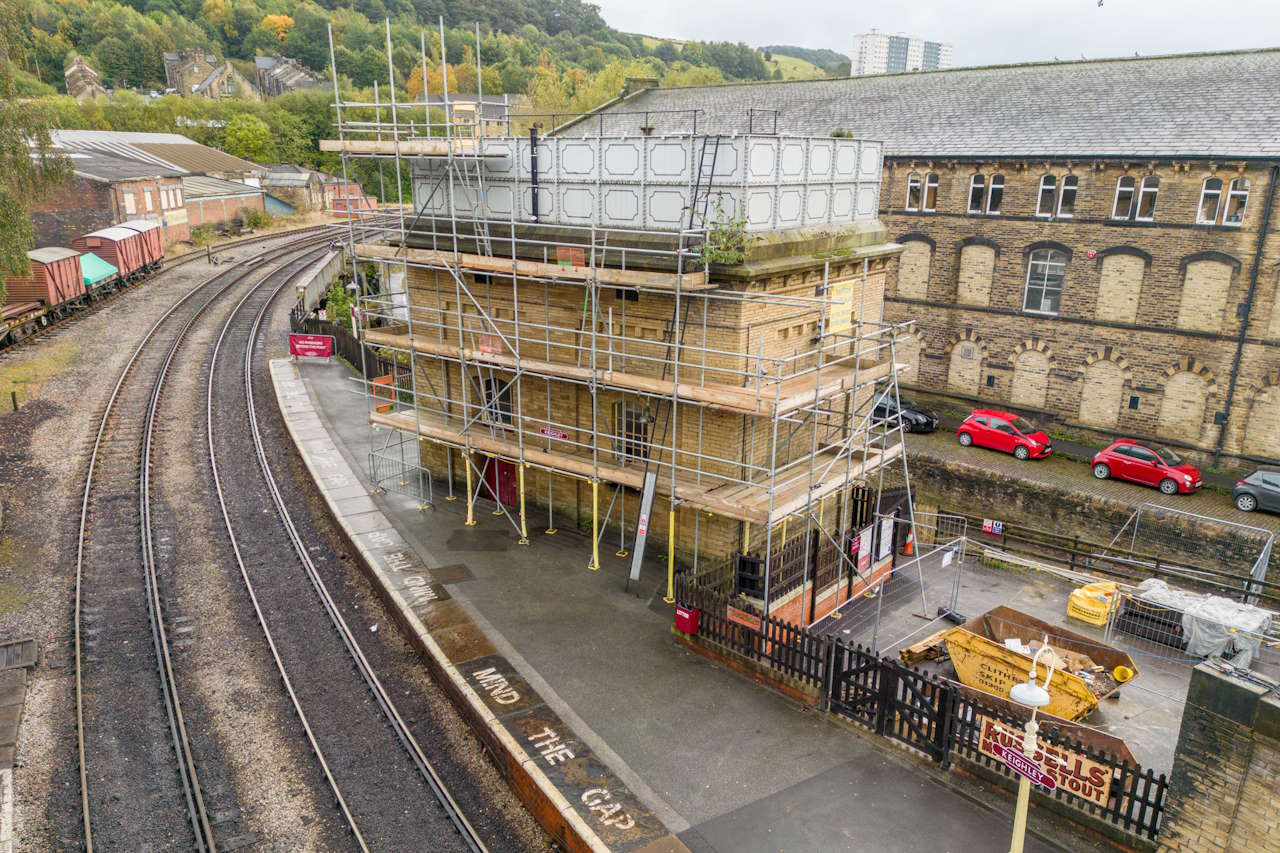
point(1124, 198)
point(996, 196)
point(1045, 272)
point(977, 191)
point(1146, 211)
point(1210, 200)
point(913, 191)
point(1237, 200)
point(930, 192)
point(1067, 199)
point(1048, 188)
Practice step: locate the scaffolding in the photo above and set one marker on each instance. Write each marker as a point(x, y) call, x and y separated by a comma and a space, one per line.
point(536, 335)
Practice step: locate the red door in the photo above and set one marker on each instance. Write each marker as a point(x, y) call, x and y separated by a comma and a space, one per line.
point(1144, 468)
point(1000, 436)
point(500, 480)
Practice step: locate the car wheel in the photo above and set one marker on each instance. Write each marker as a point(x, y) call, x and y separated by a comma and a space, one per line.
point(965, 439)
point(1021, 452)
point(1101, 471)
point(1168, 486)
point(1246, 502)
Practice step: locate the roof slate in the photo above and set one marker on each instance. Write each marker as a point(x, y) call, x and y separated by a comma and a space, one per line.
point(203, 186)
point(1211, 104)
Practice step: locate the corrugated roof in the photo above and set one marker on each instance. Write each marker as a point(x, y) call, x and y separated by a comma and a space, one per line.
point(1209, 104)
point(203, 186)
point(49, 254)
point(167, 150)
point(100, 166)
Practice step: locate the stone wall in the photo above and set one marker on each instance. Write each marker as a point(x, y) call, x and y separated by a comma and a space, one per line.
point(1148, 310)
point(1223, 796)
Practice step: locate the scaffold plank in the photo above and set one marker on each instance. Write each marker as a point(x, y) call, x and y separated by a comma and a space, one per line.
point(795, 392)
point(689, 282)
point(435, 147)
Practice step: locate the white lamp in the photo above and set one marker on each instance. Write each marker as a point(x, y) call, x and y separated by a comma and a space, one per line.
point(1035, 697)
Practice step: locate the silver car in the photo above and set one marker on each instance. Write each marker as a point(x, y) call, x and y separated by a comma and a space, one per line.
point(1260, 490)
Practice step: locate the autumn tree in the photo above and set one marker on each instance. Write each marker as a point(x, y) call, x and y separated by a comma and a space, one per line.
point(278, 24)
point(29, 164)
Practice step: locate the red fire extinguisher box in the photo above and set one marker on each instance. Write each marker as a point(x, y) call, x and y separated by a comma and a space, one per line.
point(687, 619)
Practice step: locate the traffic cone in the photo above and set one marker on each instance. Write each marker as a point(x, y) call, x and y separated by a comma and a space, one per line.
point(909, 548)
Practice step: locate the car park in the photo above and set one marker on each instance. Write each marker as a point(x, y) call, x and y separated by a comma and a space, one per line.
point(1259, 490)
point(914, 418)
point(1004, 431)
point(1147, 465)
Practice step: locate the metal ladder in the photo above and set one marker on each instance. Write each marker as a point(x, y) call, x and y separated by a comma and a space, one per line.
point(701, 198)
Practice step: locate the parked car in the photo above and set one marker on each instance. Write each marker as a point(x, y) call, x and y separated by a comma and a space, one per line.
point(1004, 431)
point(1147, 465)
point(914, 418)
point(1260, 490)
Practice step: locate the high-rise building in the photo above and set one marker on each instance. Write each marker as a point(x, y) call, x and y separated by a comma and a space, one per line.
point(881, 53)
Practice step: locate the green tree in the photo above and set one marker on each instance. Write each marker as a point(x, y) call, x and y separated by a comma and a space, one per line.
point(29, 164)
point(249, 137)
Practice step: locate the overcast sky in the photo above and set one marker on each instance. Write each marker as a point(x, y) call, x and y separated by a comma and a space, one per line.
point(982, 31)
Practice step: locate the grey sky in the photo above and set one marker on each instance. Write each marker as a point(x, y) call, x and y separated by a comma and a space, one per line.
point(983, 31)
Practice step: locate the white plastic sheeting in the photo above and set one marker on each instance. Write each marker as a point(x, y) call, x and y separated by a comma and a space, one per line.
point(1211, 624)
point(647, 183)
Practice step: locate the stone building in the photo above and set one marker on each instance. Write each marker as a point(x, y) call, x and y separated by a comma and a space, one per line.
point(276, 75)
point(585, 356)
point(1090, 243)
point(83, 82)
point(195, 72)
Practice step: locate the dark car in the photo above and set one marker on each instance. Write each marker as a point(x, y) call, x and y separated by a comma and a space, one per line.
point(1146, 465)
point(1260, 490)
point(1004, 431)
point(914, 418)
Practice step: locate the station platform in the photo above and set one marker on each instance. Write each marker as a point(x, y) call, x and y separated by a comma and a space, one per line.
point(578, 690)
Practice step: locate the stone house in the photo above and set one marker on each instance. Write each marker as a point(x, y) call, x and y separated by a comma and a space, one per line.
point(83, 82)
point(195, 72)
point(276, 75)
point(1086, 242)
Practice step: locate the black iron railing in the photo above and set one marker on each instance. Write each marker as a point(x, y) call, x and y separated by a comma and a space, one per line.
point(924, 712)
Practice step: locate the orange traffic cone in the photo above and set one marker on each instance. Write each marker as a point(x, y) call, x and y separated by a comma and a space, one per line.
point(910, 547)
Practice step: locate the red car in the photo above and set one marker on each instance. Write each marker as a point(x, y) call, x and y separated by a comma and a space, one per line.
point(1004, 431)
point(1147, 465)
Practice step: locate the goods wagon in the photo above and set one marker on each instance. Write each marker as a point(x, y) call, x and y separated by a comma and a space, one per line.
point(54, 280)
point(152, 245)
point(120, 247)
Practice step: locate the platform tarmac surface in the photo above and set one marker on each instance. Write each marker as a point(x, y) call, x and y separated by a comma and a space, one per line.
point(726, 764)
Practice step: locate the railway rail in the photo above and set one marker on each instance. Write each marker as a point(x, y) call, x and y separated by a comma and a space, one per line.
point(114, 538)
point(246, 320)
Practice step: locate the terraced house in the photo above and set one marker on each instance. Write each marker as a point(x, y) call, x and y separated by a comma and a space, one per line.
point(1090, 242)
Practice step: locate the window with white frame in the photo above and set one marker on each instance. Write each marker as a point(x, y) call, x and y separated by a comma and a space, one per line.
point(130, 205)
point(1237, 201)
point(1146, 211)
point(1124, 198)
point(1048, 189)
point(1045, 272)
point(1067, 198)
point(913, 191)
point(1210, 201)
point(177, 194)
point(930, 192)
point(995, 196)
point(146, 197)
point(977, 193)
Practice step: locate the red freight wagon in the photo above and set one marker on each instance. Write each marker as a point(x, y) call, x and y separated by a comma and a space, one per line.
point(54, 279)
point(120, 247)
point(152, 245)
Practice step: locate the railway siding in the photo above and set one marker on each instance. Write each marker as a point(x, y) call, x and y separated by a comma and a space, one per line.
point(571, 792)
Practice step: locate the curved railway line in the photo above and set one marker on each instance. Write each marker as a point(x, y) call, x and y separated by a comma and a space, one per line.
point(139, 753)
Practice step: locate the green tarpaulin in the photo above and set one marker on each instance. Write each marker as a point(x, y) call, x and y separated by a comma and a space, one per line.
point(95, 269)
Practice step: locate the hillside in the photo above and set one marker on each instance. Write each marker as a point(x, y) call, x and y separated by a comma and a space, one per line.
point(793, 68)
point(828, 62)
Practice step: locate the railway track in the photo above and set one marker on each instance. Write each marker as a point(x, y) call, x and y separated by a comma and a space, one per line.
point(121, 718)
point(384, 787)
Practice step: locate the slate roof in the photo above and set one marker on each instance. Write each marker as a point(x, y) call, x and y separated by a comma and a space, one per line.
point(99, 166)
point(1208, 104)
point(203, 186)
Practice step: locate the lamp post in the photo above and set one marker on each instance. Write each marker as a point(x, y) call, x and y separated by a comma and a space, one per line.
point(1035, 697)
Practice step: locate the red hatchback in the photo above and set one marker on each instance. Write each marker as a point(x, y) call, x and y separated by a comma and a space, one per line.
point(1004, 431)
point(1147, 465)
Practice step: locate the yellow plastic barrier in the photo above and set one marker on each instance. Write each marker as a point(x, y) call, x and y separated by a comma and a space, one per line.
point(1092, 603)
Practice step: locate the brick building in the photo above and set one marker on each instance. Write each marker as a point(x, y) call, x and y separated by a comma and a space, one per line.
point(1087, 242)
point(582, 354)
point(213, 201)
point(106, 190)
